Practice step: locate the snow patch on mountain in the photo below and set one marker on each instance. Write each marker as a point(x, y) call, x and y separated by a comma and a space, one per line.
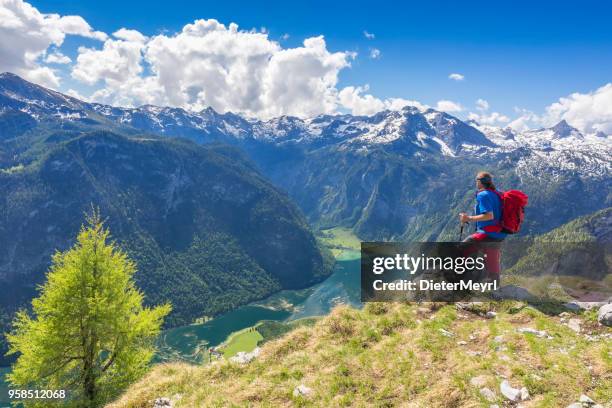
point(558, 150)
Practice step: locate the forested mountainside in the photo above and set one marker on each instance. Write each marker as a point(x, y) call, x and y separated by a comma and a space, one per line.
point(207, 231)
point(580, 249)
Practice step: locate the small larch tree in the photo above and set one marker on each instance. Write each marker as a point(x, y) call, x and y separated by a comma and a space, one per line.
point(89, 333)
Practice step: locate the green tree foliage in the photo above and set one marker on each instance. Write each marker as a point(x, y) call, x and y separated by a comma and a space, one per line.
point(89, 333)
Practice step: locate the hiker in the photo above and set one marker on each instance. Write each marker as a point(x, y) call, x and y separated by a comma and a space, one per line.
point(487, 216)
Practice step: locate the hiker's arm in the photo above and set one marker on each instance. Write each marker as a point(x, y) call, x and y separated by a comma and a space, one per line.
point(482, 217)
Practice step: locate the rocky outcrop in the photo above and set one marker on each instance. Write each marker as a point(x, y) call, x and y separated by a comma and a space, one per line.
point(605, 315)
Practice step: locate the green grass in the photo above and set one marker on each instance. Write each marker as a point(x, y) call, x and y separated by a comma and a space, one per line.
point(340, 240)
point(244, 340)
point(391, 353)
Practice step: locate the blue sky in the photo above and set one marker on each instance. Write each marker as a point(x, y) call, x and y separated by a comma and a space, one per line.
point(513, 55)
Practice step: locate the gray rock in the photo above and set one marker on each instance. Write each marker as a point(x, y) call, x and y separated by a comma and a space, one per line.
point(576, 306)
point(605, 315)
point(490, 315)
point(586, 400)
point(511, 393)
point(539, 333)
point(488, 394)
point(162, 402)
point(524, 394)
point(243, 357)
point(446, 333)
point(302, 390)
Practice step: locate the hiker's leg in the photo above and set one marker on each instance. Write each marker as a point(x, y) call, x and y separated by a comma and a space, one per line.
point(490, 247)
point(493, 259)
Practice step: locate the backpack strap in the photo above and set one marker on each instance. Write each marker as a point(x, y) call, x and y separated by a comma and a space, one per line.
point(498, 194)
point(497, 227)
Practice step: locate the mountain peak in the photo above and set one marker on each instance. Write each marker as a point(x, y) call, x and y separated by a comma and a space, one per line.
point(563, 129)
point(10, 80)
point(9, 75)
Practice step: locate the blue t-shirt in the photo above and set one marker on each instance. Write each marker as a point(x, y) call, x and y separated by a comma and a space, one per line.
point(488, 201)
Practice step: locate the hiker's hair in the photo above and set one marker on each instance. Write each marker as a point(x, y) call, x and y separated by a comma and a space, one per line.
point(486, 179)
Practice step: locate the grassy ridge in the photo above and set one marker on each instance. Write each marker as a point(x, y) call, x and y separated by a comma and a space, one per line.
point(399, 355)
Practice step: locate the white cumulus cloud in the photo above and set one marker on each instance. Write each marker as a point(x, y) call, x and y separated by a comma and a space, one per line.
point(589, 112)
point(374, 53)
point(26, 34)
point(361, 103)
point(448, 106)
point(210, 64)
point(57, 58)
point(482, 105)
point(456, 77)
point(118, 61)
point(129, 35)
point(493, 118)
point(525, 120)
point(487, 118)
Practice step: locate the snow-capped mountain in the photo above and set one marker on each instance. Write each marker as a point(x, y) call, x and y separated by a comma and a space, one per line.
point(558, 149)
point(408, 131)
point(423, 129)
point(39, 102)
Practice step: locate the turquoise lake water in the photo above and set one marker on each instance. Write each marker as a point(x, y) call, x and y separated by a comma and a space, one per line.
point(342, 286)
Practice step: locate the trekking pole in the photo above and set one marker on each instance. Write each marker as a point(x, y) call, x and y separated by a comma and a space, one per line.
point(461, 232)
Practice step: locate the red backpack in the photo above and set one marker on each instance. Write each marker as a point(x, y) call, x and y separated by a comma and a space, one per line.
point(513, 210)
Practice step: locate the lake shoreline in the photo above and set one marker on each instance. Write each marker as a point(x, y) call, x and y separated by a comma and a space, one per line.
point(190, 343)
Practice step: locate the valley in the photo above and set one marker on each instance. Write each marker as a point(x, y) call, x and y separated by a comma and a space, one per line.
point(190, 343)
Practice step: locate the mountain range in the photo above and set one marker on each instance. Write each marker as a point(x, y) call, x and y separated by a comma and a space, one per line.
point(388, 176)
